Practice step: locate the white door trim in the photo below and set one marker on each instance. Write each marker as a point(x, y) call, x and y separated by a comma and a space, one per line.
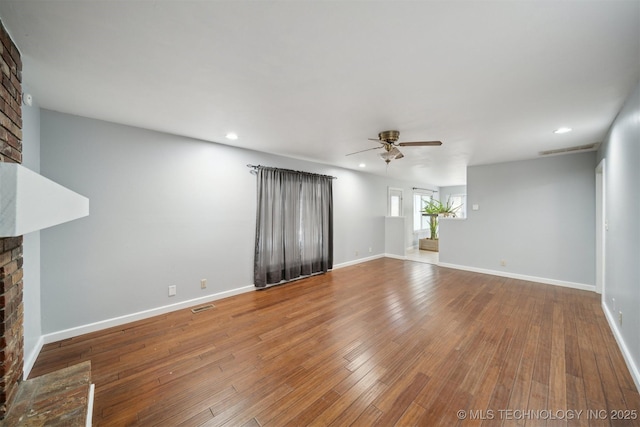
point(601, 228)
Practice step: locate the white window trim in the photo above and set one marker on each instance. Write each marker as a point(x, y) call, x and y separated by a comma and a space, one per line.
point(462, 213)
point(429, 193)
point(391, 190)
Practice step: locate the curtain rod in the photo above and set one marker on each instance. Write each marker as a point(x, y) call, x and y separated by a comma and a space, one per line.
point(254, 169)
point(425, 189)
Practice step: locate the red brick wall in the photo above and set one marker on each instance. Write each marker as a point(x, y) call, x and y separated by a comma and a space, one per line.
point(11, 310)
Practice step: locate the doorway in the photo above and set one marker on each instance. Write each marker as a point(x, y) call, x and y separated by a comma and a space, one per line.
point(418, 255)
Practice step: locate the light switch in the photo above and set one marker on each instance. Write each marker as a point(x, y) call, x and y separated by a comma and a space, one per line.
point(475, 207)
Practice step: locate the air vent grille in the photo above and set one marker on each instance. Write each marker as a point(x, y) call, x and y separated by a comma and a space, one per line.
point(202, 308)
point(587, 147)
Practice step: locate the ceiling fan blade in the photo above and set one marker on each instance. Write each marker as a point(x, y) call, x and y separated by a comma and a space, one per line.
point(362, 151)
point(420, 143)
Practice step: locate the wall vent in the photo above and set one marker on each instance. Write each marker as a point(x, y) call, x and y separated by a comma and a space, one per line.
point(202, 308)
point(587, 147)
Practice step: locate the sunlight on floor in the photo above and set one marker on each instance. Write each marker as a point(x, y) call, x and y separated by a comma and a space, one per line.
point(428, 257)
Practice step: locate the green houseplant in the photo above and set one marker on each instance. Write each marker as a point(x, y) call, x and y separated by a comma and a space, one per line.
point(434, 209)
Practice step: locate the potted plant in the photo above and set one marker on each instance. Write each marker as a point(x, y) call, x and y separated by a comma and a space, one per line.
point(434, 209)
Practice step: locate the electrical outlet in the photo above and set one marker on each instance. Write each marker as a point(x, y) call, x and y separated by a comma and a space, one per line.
point(613, 301)
point(620, 318)
point(503, 263)
point(370, 249)
point(357, 253)
point(172, 290)
point(203, 284)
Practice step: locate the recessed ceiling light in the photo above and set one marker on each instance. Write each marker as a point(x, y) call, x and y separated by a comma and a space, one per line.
point(362, 165)
point(562, 130)
point(231, 135)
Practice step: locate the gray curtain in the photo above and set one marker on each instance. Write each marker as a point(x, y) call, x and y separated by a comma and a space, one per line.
point(294, 225)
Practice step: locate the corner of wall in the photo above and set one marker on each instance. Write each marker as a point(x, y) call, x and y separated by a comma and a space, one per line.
point(33, 340)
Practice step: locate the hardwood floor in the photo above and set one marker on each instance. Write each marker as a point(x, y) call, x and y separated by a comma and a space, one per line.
point(386, 342)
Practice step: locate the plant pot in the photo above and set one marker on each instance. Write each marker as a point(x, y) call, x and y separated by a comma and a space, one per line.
point(429, 244)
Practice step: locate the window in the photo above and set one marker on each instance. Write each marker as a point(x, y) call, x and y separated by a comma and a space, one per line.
point(420, 200)
point(459, 200)
point(395, 201)
point(294, 225)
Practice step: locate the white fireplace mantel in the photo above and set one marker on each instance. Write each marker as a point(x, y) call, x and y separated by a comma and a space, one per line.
point(31, 202)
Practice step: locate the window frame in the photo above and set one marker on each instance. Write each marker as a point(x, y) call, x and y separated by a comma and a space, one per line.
point(462, 212)
point(392, 191)
point(417, 211)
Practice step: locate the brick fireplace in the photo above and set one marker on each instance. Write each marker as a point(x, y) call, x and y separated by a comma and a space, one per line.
point(11, 308)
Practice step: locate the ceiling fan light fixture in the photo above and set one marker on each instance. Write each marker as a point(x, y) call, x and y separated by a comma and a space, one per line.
point(387, 156)
point(232, 136)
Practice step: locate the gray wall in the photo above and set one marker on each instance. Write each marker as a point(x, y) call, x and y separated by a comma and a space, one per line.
point(621, 151)
point(536, 215)
point(395, 242)
point(167, 210)
point(31, 246)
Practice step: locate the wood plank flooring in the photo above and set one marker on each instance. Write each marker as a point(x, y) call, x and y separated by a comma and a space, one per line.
point(386, 342)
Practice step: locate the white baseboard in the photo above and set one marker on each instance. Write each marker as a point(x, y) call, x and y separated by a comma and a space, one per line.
point(633, 368)
point(356, 261)
point(544, 280)
point(128, 318)
point(30, 359)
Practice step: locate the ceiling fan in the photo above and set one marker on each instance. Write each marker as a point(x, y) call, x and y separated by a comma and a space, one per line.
point(388, 140)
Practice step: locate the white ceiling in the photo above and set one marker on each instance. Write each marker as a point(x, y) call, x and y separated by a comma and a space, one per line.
point(314, 80)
